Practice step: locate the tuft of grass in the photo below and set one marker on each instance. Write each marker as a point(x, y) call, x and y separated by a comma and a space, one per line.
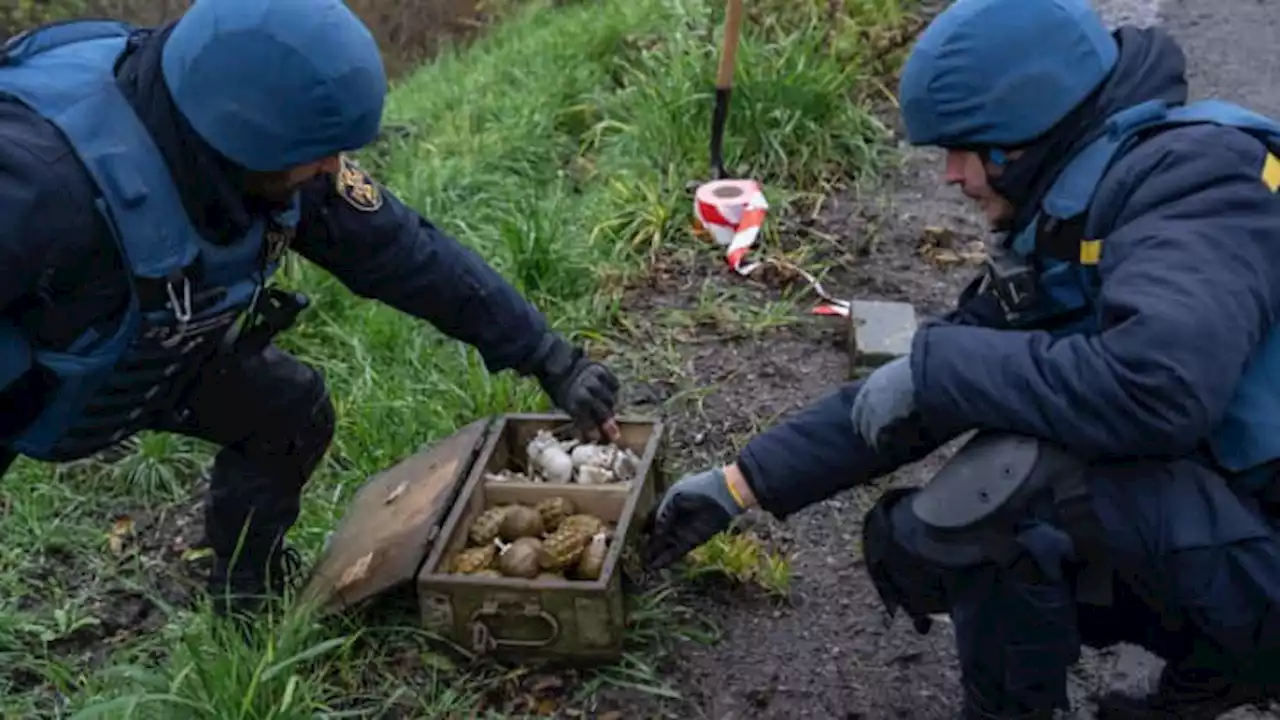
point(557, 147)
point(742, 558)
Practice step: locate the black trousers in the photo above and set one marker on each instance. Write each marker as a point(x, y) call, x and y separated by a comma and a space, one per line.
point(273, 418)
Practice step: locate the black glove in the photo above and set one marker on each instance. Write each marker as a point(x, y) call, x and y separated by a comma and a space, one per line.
point(584, 389)
point(691, 513)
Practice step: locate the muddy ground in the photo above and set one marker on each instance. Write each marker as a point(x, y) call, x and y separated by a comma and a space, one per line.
point(828, 652)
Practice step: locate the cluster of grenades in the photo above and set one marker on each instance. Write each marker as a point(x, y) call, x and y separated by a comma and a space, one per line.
point(550, 540)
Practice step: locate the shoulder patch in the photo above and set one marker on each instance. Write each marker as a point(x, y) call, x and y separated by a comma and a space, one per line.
point(356, 187)
point(1271, 172)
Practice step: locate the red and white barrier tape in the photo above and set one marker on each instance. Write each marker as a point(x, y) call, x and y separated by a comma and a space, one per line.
point(733, 212)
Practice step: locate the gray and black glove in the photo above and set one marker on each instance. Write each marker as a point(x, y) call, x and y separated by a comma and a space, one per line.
point(584, 389)
point(693, 510)
point(884, 410)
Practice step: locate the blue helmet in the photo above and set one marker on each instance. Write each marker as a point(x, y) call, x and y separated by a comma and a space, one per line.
point(999, 73)
point(273, 84)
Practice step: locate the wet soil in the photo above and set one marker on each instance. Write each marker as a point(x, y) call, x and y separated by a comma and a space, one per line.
point(152, 565)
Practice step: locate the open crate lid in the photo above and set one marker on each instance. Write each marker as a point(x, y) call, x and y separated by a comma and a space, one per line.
point(387, 531)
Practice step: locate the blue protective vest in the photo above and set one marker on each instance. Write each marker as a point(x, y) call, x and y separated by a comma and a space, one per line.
point(109, 385)
point(1249, 434)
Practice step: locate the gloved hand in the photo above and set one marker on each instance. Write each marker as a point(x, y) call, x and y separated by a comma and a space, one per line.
point(693, 510)
point(887, 396)
point(584, 389)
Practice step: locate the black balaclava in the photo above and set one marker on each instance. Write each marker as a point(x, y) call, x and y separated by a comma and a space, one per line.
point(1026, 179)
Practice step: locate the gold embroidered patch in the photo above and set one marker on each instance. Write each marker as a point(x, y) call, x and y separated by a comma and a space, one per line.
point(356, 187)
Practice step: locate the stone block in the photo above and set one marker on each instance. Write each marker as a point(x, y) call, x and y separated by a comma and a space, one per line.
point(879, 331)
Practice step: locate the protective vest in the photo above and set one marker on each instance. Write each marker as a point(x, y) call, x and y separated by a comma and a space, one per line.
point(186, 293)
point(1062, 246)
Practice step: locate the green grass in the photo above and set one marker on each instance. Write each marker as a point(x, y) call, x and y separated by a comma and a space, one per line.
point(559, 148)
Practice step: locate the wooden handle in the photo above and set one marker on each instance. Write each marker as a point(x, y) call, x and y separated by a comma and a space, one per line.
point(729, 49)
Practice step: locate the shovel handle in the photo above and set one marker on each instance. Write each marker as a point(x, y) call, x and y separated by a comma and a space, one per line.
point(729, 49)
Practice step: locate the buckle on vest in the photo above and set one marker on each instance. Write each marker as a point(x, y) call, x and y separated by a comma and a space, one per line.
point(1013, 282)
point(276, 315)
point(182, 311)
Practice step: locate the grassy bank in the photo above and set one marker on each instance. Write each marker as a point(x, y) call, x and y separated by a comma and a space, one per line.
point(558, 147)
point(407, 31)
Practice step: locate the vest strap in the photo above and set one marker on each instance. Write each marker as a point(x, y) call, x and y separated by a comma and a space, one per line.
point(115, 147)
point(1062, 240)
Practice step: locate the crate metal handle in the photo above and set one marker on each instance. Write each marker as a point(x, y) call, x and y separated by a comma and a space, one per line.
point(484, 640)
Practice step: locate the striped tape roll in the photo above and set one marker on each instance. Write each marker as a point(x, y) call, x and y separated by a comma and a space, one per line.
point(732, 212)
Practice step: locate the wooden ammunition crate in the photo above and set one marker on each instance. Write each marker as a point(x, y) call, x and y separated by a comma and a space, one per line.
point(407, 523)
point(561, 619)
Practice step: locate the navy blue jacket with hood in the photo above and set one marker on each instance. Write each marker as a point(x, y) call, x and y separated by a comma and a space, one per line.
point(1190, 285)
point(60, 272)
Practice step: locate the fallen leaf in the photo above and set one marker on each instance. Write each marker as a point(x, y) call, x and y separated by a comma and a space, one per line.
point(546, 683)
point(194, 554)
point(121, 529)
point(942, 256)
point(435, 661)
point(938, 236)
point(974, 252)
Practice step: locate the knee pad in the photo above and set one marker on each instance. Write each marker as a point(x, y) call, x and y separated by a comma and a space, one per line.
point(999, 480)
point(295, 446)
point(990, 483)
point(313, 438)
point(905, 577)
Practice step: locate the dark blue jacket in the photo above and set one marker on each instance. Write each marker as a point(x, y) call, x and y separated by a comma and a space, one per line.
point(1190, 285)
point(60, 272)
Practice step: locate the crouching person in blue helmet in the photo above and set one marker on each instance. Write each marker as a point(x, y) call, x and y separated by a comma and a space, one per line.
point(150, 181)
point(1118, 364)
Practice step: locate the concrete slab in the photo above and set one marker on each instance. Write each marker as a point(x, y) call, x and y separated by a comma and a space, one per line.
point(879, 331)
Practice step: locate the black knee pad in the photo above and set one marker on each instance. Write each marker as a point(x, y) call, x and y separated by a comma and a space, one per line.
point(298, 436)
point(993, 483)
point(903, 578)
point(324, 422)
point(313, 435)
point(990, 483)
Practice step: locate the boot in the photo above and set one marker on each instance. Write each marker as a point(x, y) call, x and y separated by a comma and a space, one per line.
point(246, 519)
point(241, 586)
point(1183, 694)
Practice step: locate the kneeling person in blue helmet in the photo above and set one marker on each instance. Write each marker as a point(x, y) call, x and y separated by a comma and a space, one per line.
point(150, 181)
point(1117, 364)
